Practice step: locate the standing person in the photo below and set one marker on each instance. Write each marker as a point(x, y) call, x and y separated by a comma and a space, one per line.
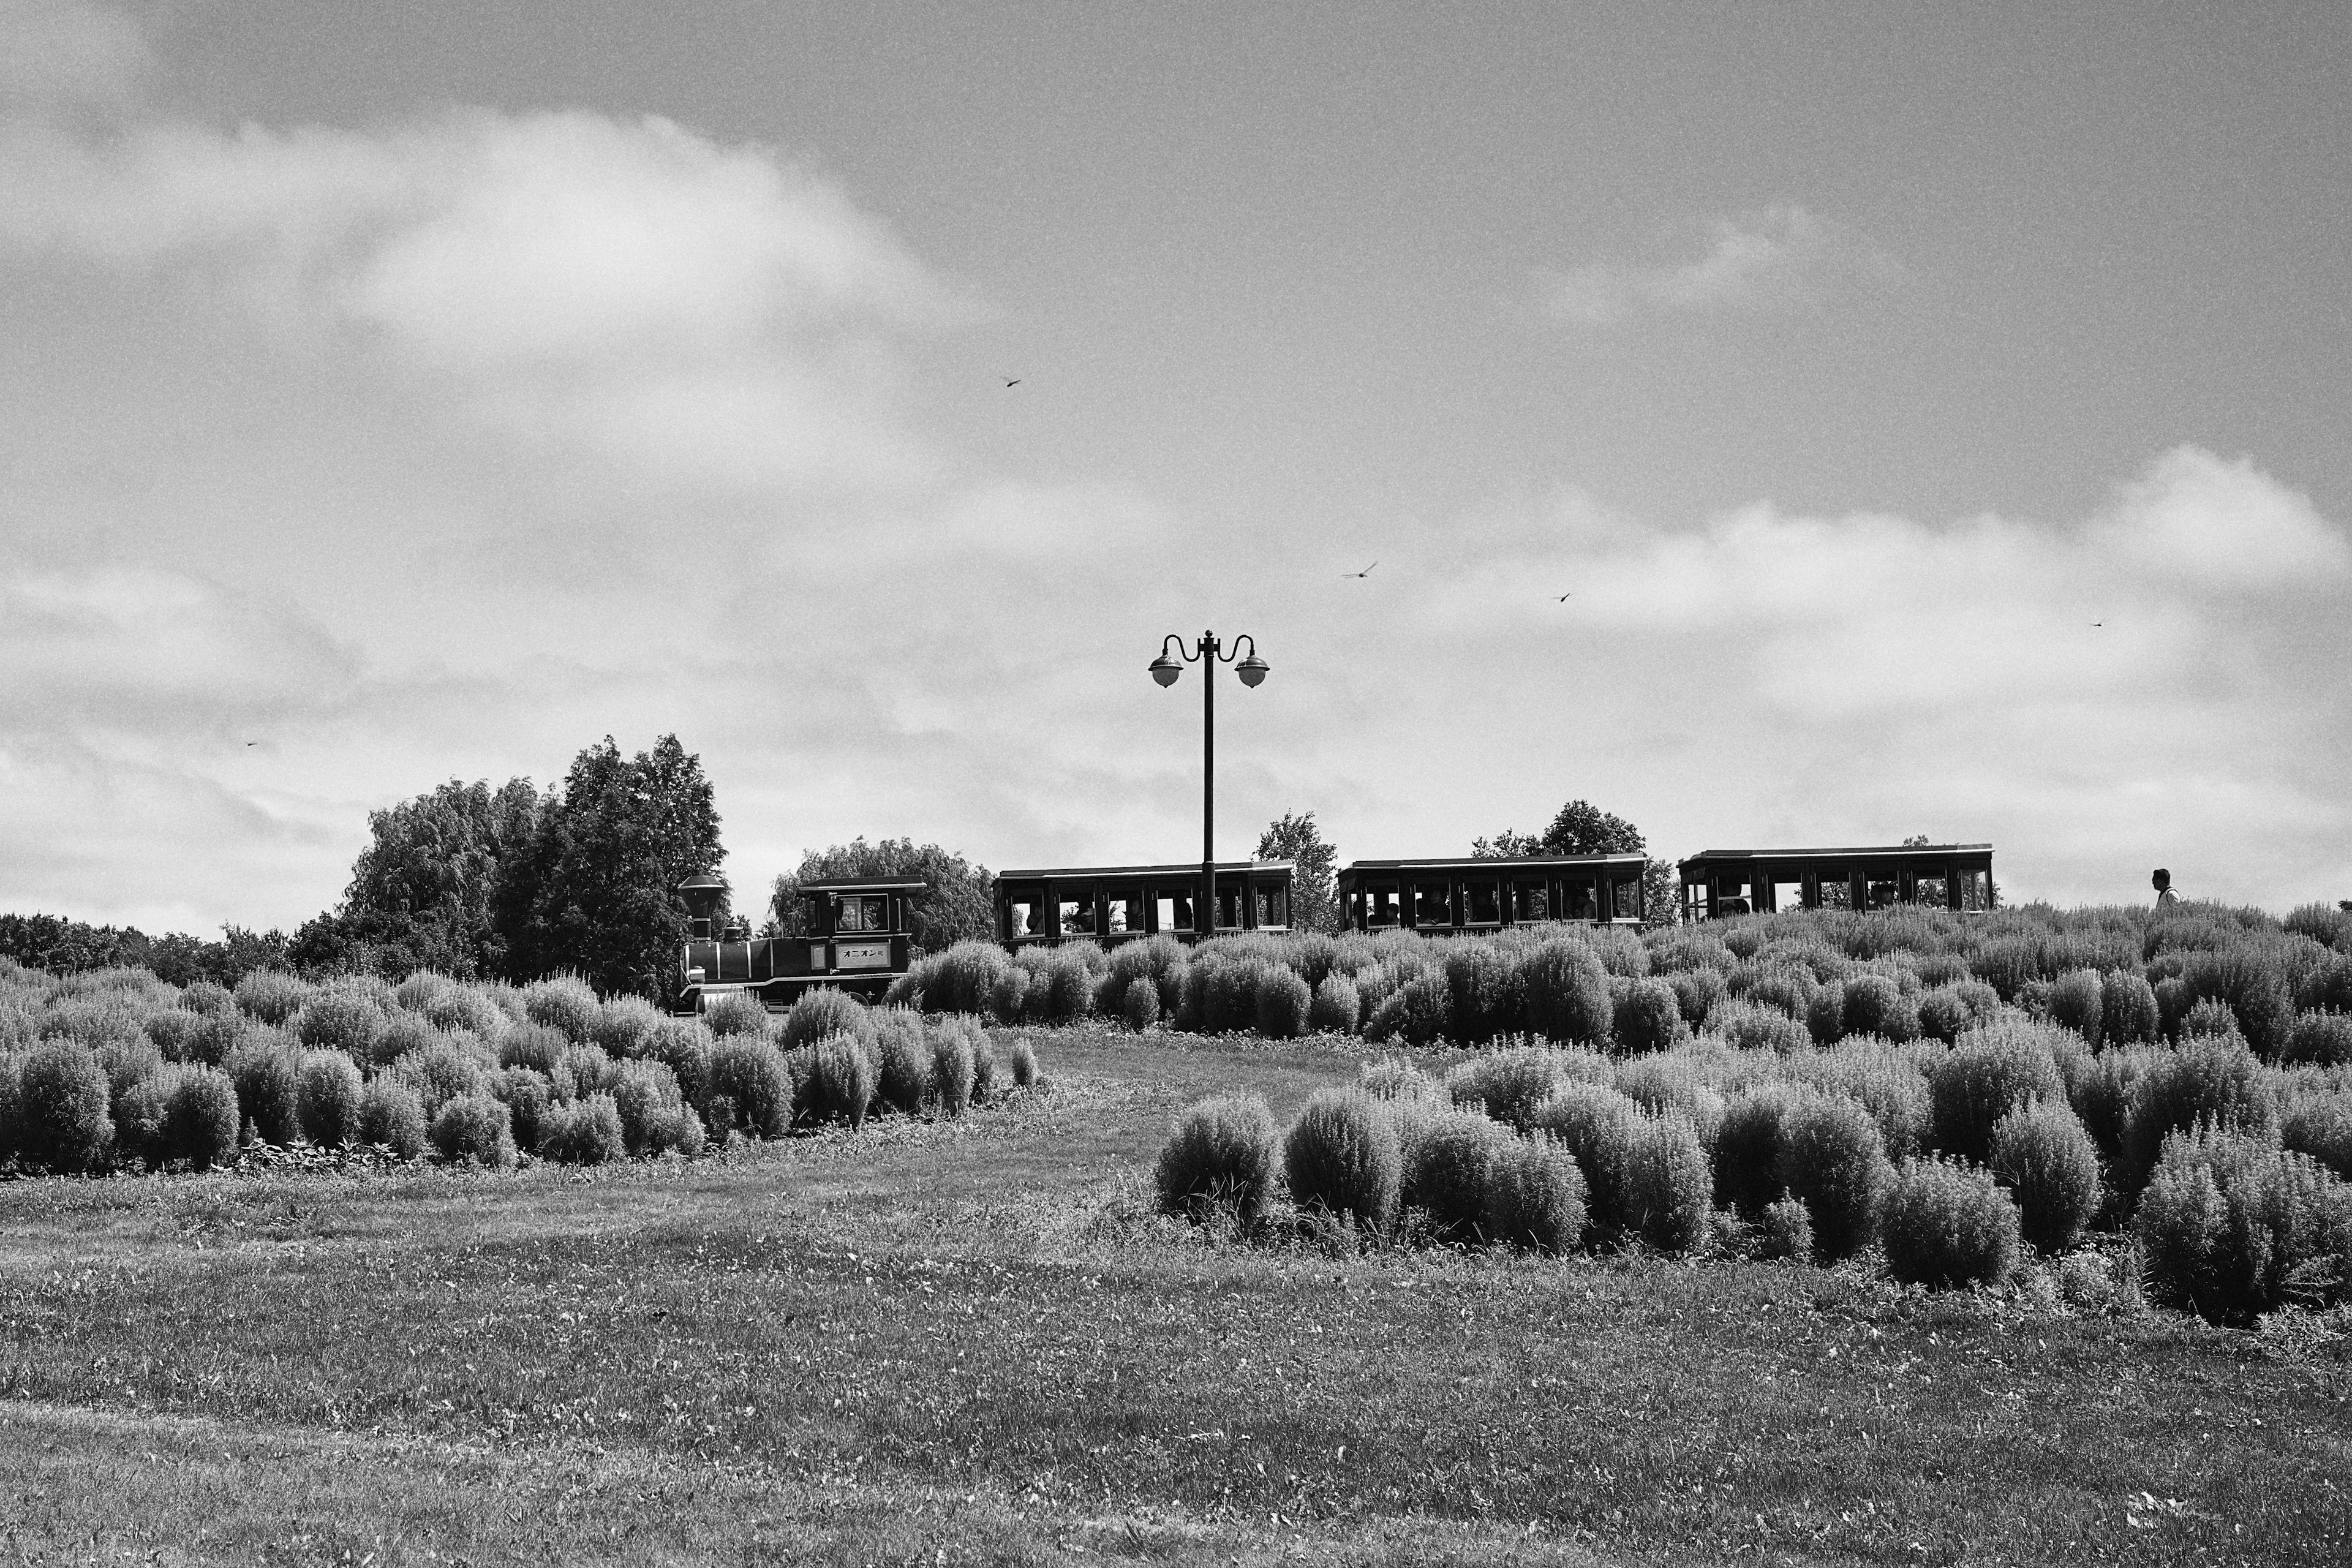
point(2164, 893)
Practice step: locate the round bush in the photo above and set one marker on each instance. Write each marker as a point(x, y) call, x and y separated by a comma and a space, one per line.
point(1747, 1027)
point(439, 1073)
point(966, 978)
point(1946, 1224)
point(1140, 1003)
point(392, 1118)
point(1336, 1008)
point(1535, 1197)
point(171, 1030)
point(1341, 1156)
point(822, 1013)
point(1393, 1077)
point(1009, 997)
point(641, 1091)
point(954, 1063)
point(1833, 1160)
point(404, 1035)
point(1785, 1231)
point(1219, 1155)
point(1988, 1075)
point(584, 1070)
point(625, 1024)
point(138, 1114)
point(1023, 1064)
point(1487, 990)
point(1668, 1185)
point(1825, 1014)
point(1648, 1018)
point(1507, 1085)
point(207, 1000)
point(585, 1132)
point(2322, 1039)
point(2249, 984)
point(2215, 1081)
point(2320, 1125)
point(267, 1073)
point(566, 1003)
point(2232, 1226)
point(2078, 1002)
point(1697, 993)
point(2128, 1010)
point(1566, 994)
point(684, 1048)
point(1283, 1000)
point(902, 1061)
point(1748, 1148)
point(1416, 1013)
point(525, 1093)
point(2044, 1156)
point(1598, 1127)
point(1444, 1172)
point(748, 1074)
point(454, 1007)
point(340, 1021)
point(271, 996)
point(533, 1046)
point(744, 1012)
point(474, 1129)
point(1874, 1004)
point(200, 1120)
point(327, 1098)
point(1229, 1005)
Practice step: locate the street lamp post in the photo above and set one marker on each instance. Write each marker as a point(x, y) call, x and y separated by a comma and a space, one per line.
point(1208, 653)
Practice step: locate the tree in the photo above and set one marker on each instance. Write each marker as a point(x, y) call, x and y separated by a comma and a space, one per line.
point(62, 946)
point(425, 892)
point(592, 889)
point(1580, 828)
point(1313, 893)
point(959, 904)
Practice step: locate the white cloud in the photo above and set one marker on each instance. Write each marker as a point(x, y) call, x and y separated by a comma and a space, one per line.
point(1770, 259)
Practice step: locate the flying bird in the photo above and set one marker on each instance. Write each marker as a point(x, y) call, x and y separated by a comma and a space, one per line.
point(2097, 624)
point(1010, 382)
point(253, 743)
point(1365, 573)
point(1564, 598)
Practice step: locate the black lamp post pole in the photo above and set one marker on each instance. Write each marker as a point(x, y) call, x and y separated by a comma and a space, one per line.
point(1207, 653)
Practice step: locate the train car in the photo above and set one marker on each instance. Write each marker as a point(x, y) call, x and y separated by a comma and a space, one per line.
point(1491, 893)
point(859, 939)
point(1111, 904)
point(1956, 877)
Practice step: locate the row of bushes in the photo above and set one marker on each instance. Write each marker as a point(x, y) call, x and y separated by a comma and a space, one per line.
point(1779, 980)
point(1947, 1170)
point(551, 1069)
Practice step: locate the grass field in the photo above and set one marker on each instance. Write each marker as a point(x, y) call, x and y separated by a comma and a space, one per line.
point(972, 1342)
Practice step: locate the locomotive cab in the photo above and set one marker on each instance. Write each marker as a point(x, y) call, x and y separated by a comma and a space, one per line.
point(857, 933)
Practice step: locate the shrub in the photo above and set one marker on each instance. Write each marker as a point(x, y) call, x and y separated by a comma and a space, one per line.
point(1648, 1018)
point(953, 1065)
point(1697, 993)
point(625, 1024)
point(2078, 1002)
point(171, 1030)
point(2208, 1019)
point(1341, 1156)
point(1600, 1127)
point(566, 1003)
point(1945, 1224)
point(440, 1073)
point(1487, 991)
point(327, 1098)
point(1747, 1147)
point(1024, 1064)
point(200, 1120)
point(1747, 1027)
point(2327, 987)
point(1825, 1014)
point(2322, 1039)
point(1833, 1160)
point(822, 1013)
point(125, 1062)
point(983, 1063)
point(267, 1073)
point(2255, 993)
point(1668, 1186)
point(2232, 1226)
point(1283, 1000)
point(2127, 1012)
point(674, 1129)
point(215, 1037)
point(1874, 1004)
point(1988, 1075)
point(1566, 994)
point(748, 1074)
point(1417, 1012)
point(1507, 1085)
point(2101, 1095)
point(1010, 995)
point(525, 1093)
point(1393, 1077)
point(2328, 924)
point(1219, 1155)
point(340, 1021)
point(1139, 1004)
point(2320, 1125)
point(744, 1012)
point(462, 1007)
point(474, 1129)
point(2210, 1080)
point(533, 1046)
point(1785, 1231)
point(2045, 1158)
point(902, 1061)
point(1445, 1171)
point(585, 1132)
point(684, 1048)
point(966, 977)
point(271, 996)
point(584, 1070)
point(641, 1092)
point(1535, 1197)
point(404, 1036)
point(1336, 1009)
point(208, 1000)
point(393, 1118)
point(138, 1115)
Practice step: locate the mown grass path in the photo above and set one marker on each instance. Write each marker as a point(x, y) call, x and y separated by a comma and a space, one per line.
point(971, 1342)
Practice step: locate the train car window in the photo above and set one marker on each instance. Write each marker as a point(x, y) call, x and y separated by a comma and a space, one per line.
point(1734, 895)
point(1883, 890)
point(1578, 901)
point(1530, 903)
point(1788, 894)
point(1229, 909)
point(1123, 912)
point(861, 912)
point(1694, 902)
point(1837, 893)
point(1628, 900)
point(1078, 916)
point(1976, 890)
point(1273, 905)
point(1483, 903)
point(1432, 903)
point(1930, 888)
point(1379, 904)
point(1026, 915)
point(1174, 910)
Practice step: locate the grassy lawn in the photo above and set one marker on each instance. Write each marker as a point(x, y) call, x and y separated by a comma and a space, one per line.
point(972, 1343)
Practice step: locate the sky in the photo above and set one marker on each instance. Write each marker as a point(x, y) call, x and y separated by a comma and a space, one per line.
point(1790, 424)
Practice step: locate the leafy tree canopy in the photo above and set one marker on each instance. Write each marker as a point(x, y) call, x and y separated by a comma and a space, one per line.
point(62, 946)
point(1314, 888)
point(425, 891)
point(1580, 828)
point(960, 904)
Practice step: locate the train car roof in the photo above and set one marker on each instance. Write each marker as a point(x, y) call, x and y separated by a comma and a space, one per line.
point(1057, 873)
point(1495, 862)
point(1873, 851)
point(865, 885)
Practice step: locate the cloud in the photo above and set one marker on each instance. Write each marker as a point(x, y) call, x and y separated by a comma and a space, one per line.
point(691, 312)
point(62, 55)
point(1772, 260)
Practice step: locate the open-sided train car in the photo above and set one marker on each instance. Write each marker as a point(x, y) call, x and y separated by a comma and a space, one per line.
point(1956, 877)
point(1111, 904)
point(1490, 893)
point(859, 938)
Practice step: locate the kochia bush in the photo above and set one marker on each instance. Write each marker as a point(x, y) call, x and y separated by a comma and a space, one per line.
point(391, 1117)
point(474, 1129)
point(1341, 1156)
point(2045, 1156)
point(1535, 1197)
point(1945, 1224)
point(1566, 994)
point(585, 1132)
point(1336, 1008)
point(1220, 1154)
point(327, 1098)
point(1445, 1171)
point(1283, 1001)
point(200, 1120)
point(1988, 1075)
point(1833, 1160)
point(2232, 1226)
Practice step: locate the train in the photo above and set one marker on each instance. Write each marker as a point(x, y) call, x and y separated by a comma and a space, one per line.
point(860, 930)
